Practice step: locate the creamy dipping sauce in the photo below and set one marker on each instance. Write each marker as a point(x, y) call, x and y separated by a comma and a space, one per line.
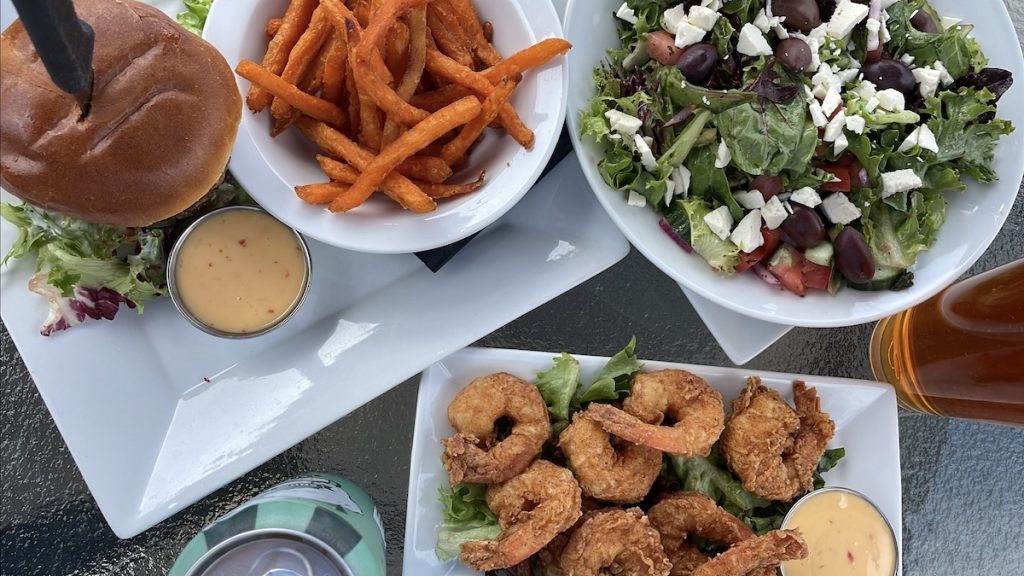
point(845, 534)
point(240, 271)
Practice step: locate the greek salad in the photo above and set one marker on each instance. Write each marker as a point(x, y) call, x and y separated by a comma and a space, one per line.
point(810, 142)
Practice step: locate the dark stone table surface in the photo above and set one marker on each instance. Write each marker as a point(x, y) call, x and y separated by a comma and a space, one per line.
point(963, 482)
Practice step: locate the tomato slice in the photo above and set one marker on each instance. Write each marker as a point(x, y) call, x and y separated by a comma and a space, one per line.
point(843, 174)
point(771, 242)
point(816, 276)
point(788, 266)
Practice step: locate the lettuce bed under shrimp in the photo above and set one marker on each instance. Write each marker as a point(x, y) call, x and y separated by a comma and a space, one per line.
point(466, 517)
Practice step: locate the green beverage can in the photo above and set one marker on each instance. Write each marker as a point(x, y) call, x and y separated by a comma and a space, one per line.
point(315, 525)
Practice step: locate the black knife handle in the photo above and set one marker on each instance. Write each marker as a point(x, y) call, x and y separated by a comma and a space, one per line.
point(64, 43)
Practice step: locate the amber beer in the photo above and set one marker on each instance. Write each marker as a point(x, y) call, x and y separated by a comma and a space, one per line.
point(961, 353)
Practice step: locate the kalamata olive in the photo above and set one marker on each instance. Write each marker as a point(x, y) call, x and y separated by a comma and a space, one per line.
point(853, 257)
point(804, 227)
point(800, 14)
point(768, 186)
point(923, 22)
point(859, 175)
point(889, 73)
point(794, 53)
point(661, 46)
point(698, 62)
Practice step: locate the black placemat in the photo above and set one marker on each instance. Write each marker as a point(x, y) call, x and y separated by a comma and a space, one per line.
point(435, 259)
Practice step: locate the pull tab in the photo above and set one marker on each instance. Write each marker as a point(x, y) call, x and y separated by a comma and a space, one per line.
point(281, 561)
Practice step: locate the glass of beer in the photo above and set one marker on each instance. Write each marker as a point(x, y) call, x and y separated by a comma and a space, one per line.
point(960, 354)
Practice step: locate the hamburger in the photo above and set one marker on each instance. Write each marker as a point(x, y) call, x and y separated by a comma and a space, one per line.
point(103, 193)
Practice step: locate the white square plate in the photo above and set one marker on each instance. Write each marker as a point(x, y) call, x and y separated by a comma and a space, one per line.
point(158, 414)
point(864, 413)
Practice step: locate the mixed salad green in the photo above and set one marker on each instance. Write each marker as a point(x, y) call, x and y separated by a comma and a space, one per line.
point(466, 515)
point(811, 141)
point(89, 270)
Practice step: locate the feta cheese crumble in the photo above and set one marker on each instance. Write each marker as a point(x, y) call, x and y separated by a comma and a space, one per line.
point(773, 213)
point(839, 210)
point(891, 100)
point(719, 221)
point(688, 35)
point(673, 17)
point(845, 18)
point(646, 156)
point(747, 235)
point(831, 102)
point(921, 136)
point(626, 14)
point(855, 124)
point(806, 196)
point(703, 18)
point(749, 200)
point(835, 127)
point(927, 80)
point(623, 123)
point(899, 181)
point(752, 42)
point(723, 156)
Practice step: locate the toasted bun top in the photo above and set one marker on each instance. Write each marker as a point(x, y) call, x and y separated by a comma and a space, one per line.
point(165, 111)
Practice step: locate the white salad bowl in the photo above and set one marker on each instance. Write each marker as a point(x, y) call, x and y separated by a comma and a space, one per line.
point(973, 218)
point(270, 168)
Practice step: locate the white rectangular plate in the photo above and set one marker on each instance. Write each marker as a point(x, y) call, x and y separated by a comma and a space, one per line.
point(864, 413)
point(158, 414)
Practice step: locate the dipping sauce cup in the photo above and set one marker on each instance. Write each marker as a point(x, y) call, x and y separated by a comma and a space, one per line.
point(846, 535)
point(238, 273)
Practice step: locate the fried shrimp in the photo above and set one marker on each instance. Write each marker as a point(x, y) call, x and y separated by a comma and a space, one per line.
point(474, 454)
point(680, 515)
point(532, 509)
point(622, 474)
point(694, 407)
point(761, 553)
point(621, 542)
point(772, 448)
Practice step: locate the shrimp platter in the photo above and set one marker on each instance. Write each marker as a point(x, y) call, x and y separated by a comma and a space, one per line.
point(638, 474)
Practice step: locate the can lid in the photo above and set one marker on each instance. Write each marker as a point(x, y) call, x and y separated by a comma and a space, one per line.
point(271, 552)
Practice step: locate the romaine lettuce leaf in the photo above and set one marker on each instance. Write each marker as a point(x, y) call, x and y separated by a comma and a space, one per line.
point(878, 118)
point(558, 386)
point(465, 517)
point(675, 93)
point(744, 10)
point(897, 234)
point(958, 51)
point(721, 36)
point(72, 252)
point(767, 138)
point(710, 477)
point(614, 380)
point(193, 18)
point(721, 255)
point(966, 143)
point(714, 185)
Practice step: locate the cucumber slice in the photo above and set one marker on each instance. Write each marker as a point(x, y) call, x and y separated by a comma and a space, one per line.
point(821, 254)
point(886, 279)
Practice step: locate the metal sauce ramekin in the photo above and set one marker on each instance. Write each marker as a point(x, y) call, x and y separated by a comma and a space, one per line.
point(172, 288)
point(809, 495)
